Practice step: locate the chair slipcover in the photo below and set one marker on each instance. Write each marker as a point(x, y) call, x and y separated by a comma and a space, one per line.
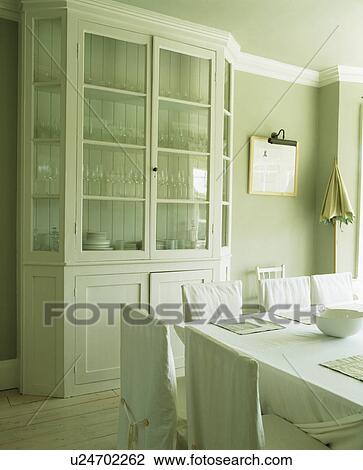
point(215, 296)
point(332, 289)
point(148, 416)
point(223, 404)
point(222, 395)
point(289, 290)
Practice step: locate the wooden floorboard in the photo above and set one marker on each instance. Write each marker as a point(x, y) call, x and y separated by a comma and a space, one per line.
point(86, 422)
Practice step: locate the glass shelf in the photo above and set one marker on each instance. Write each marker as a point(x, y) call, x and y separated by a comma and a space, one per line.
point(182, 226)
point(114, 64)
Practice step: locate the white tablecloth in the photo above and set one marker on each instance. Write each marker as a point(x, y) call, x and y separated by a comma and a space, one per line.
point(326, 404)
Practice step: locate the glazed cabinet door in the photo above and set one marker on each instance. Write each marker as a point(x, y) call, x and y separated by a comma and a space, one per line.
point(227, 159)
point(166, 288)
point(182, 150)
point(114, 159)
point(98, 334)
point(43, 129)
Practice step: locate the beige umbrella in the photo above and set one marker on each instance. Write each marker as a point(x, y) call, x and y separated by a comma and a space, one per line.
point(336, 205)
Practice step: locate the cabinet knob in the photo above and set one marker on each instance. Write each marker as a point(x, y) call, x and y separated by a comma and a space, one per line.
point(155, 168)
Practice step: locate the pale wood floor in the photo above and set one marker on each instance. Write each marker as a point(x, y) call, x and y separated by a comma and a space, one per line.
point(85, 422)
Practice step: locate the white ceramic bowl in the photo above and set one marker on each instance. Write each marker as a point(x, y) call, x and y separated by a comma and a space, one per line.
point(339, 322)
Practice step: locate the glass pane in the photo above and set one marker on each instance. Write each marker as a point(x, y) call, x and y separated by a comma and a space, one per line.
point(184, 77)
point(182, 226)
point(182, 176)
point(47, 50)
point(45, 224)
point(226, 180)
point(225, 225)
point(183, 127)
point(113, 172)
point(227, 86)
point(226, 147)
point(47, 113)
point(114, 117)
point(113, 225)
point(115, 64)
point(46, 169)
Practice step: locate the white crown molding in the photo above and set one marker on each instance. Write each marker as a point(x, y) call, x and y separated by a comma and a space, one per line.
point(10, 9)
point(341, 73)
point(330, 75)
point(350, 74)
point(274, 69)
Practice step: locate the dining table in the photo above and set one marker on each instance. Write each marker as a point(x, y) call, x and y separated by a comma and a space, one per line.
point(294, 385)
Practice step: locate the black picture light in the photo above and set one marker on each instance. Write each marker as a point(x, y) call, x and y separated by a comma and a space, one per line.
point(276, 139)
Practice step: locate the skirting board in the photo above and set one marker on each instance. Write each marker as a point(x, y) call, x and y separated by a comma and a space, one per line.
point(9, 374)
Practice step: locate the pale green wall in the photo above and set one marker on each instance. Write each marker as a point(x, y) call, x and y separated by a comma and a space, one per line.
point(328, 147)
point(350, 99)
point(8, 150)
point(271, 230)
point(339, 117)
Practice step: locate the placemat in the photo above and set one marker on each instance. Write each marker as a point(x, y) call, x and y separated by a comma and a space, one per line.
point(250, 326)
point(351, 366)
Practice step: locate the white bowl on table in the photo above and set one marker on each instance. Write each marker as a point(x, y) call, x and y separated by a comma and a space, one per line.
point(340, 323)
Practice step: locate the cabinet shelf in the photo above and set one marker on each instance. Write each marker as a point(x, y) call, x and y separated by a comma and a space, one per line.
point(186, 103)
point(119, 91)
point(113, 198)
point(103, 143)
point(45, 196)
point(46, 140)
point(182, 201)
point(182, 151)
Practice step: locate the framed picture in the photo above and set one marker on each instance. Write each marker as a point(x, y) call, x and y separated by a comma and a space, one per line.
point(272, 168)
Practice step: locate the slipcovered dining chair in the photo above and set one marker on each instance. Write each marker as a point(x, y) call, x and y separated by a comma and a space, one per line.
point(204, 301)
point(289, 291)
point(332, 289)
point(223, 403)
point(148, 410)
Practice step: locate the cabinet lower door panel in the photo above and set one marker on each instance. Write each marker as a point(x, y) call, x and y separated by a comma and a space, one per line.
point(98, 334)
point(166, 287)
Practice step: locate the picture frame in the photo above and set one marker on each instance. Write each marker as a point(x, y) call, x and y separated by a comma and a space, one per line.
point(273, 168)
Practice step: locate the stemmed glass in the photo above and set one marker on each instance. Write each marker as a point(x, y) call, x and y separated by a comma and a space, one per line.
point(182, 184)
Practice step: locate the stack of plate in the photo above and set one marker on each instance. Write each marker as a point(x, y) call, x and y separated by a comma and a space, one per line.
point(97, 241)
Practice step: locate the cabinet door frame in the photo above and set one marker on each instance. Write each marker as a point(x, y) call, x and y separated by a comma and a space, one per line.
point(174, 46)
point(82, 284)
point(27, 149)
point(127, 36)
